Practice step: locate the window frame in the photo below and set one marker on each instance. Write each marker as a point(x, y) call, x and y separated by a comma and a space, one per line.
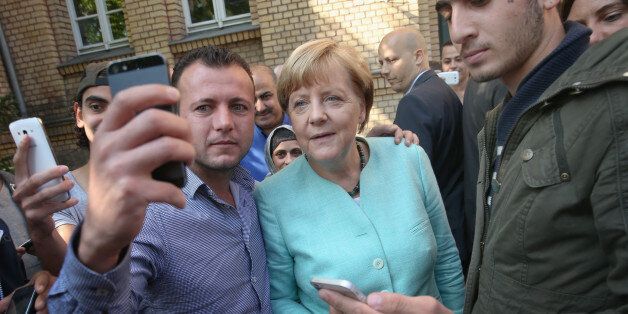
point(108, 42)
point(220, 18)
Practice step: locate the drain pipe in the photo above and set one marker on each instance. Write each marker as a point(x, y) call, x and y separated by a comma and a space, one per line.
point(8, 66)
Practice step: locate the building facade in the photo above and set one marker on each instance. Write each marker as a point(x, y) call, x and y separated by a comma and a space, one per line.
point(51, 41)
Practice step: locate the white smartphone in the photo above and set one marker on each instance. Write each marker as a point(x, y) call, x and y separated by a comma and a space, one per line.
point(40, 155)
point(451, 77)
point(344, 287)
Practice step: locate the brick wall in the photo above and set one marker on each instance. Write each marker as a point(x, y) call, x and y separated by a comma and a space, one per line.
point(40, 36)
point(4, 81)
point(35, 50)
point(286, 24)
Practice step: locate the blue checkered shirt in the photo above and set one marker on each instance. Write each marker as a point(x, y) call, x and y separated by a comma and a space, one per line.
point(208, 257)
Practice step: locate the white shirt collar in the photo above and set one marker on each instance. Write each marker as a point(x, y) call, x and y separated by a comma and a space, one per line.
point(414, 82)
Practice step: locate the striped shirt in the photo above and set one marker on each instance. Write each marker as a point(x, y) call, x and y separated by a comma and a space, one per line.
point(208, 257)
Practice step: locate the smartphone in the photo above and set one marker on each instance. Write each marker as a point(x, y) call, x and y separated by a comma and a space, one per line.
point(23, 301)
point(451, 77)
point(40, 155)
point(344, 287)
point(142, 70)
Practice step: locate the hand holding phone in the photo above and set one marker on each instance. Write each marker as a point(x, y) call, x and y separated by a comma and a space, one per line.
point(344, 287)
point(450, 77)
point(40, 155)
point(142, 70)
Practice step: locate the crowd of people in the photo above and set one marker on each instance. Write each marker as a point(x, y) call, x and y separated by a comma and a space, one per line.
point(508, 194)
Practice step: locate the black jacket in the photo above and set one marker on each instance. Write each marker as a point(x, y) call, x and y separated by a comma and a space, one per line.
point(479, 98)
point(433, 111)
point(12, 272)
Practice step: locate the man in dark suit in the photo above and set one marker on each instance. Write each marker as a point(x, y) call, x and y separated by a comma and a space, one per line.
point(433, 111)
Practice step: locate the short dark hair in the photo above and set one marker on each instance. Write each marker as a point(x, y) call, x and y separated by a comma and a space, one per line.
point(211, 56)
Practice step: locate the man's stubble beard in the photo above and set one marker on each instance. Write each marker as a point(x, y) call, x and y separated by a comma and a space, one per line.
point(220, 167)
point(524, 44)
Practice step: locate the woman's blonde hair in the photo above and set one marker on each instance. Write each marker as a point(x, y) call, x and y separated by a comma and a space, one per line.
point(310, 62)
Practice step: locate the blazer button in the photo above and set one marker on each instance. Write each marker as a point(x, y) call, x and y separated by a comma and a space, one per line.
point(378, 263)
point(527, 154)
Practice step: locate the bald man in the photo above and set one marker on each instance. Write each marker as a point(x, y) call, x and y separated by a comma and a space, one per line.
point(433, 111)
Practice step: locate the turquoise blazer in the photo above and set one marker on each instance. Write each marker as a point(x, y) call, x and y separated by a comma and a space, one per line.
point(395, 238)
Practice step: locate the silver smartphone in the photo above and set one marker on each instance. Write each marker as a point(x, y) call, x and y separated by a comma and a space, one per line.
point(344, 287)
point(451, 77)
point(40, 155)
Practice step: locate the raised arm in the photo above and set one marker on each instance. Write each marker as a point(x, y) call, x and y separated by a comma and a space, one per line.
point(38, 207)
point(126, 149)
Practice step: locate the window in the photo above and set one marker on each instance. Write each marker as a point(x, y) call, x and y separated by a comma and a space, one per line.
point(207, 14)
point(97, 24)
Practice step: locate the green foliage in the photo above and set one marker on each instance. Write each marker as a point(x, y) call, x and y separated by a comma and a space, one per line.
point(201, 10)
point(6, 164)
point(237, 7)
point(8, 111)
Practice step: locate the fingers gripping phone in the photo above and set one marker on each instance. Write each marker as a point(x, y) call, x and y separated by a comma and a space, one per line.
point(344, 287)
point(40, 155)
point(142, 70)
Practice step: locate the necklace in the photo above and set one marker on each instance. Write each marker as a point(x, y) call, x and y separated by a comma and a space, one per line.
point(356, 189)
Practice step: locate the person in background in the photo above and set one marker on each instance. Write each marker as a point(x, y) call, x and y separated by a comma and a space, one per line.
point(431, 109)
point(282, 148)
point(268, 116)
point(603, 17)
point(452, 61)
point(51, 223)
point(368, 211)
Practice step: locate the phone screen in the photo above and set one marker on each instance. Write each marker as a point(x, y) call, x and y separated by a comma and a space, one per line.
point(23, 300)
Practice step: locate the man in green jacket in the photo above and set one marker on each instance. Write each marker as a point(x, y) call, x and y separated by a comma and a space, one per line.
point(552, 197)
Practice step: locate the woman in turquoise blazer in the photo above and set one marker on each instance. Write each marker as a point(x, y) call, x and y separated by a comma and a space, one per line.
point(367, 211)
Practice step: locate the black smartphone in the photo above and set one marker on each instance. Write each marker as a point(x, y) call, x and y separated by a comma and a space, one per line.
point(28, 245)
point(142, 70)
point(23, 301)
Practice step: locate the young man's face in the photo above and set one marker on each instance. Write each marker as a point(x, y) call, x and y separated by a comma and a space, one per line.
point(452, 61)
point(89, 113)
point(219, 104)
point(497, 37)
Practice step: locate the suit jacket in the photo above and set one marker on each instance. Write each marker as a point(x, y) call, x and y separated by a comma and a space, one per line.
point(433, 111)
point(394, 238)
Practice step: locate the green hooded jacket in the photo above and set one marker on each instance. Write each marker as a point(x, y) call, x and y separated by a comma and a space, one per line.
point(556, 236)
